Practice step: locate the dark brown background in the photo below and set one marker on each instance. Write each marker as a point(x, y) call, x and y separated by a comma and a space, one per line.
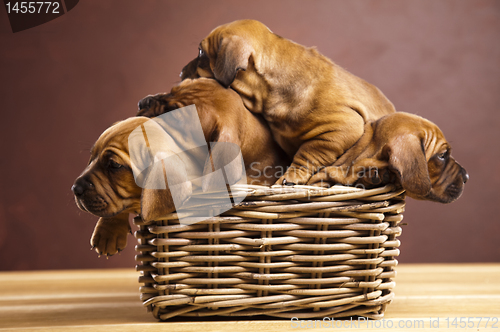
point(66, 81)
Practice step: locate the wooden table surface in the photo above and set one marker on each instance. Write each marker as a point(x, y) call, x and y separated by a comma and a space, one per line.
point(427, 296)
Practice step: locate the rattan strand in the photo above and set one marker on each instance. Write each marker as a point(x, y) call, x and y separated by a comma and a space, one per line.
point(284, 252)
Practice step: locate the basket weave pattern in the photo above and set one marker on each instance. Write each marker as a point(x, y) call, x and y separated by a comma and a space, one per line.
point(286, 252)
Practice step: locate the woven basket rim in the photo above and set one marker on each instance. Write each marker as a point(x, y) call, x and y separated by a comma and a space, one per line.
point(284, 251)
point(280, 193)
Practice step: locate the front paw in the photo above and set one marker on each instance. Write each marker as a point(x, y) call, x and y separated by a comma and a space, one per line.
point(295, 175)
point(330, 176)
point(110, 235)
point(146, 102)
point(151, 106)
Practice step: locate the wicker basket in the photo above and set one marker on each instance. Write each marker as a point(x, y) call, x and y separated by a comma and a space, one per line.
point(285, 252)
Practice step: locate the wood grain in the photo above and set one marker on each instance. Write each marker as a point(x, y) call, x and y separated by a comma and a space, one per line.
point(108, 300)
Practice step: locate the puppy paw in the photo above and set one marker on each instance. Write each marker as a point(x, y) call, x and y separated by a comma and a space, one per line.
point(320, 179)
point(110, 235)
point(151, 106)
point(294, 176)
point(147, 102)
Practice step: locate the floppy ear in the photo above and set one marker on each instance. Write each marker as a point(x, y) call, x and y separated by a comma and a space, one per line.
point(161, 197)
point(407, 158)
point(189, 70)
point(233, 55)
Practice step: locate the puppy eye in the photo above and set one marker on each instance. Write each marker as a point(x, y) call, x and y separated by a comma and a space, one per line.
point(114, 165)
point(443, 156)
point(200, 52)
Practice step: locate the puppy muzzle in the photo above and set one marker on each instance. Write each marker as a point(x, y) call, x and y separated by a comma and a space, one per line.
point(86, 198)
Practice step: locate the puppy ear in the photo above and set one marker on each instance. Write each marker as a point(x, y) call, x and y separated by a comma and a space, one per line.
point(161, 194)
point(190, 70)
point(407, 158)
point(232, 56)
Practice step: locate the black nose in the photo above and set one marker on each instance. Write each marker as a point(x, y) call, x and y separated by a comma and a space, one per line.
point(465, 175)
point(81, 184)
point(77, 189)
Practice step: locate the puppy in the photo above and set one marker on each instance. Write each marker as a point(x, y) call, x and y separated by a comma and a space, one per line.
point(316, 109)
point(107, 187)
point(225, 119)
point(405, 149)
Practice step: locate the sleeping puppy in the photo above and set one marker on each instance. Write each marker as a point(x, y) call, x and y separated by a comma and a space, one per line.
point(107, 187)
point(225, 119)
point(316, 109)
point(405, 149)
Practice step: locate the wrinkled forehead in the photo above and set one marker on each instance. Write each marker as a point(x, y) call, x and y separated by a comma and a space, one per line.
point(210, 44)
point(242, 28)
point(116, 136)
point(435, 141)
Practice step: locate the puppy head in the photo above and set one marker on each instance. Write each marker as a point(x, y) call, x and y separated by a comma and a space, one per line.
point(421, 158)
point(207, 94)
point(225, 51)
point(107, 186)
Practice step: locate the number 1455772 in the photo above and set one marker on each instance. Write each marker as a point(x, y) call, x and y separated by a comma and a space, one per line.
point(21, 7)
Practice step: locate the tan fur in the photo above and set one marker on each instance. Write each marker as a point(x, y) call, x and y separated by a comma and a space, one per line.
point(400, 148)
point(316, 109)
point(108, 192)
point(224, 119)
point(111, 193)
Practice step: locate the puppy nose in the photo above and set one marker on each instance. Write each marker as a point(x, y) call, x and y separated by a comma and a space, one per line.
point(465, 175)
point(77, 189)
point(81, 184)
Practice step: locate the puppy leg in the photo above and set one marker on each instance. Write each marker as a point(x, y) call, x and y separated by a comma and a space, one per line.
point(334, 175)
point(110, 234)
point(335, 137)
point(368, 172)
point(311, 155)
